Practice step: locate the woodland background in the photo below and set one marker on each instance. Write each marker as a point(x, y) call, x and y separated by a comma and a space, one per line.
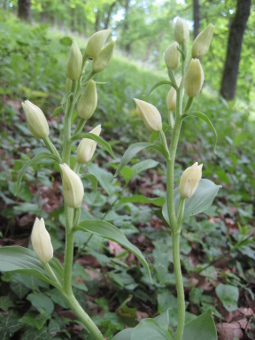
point(218, 247)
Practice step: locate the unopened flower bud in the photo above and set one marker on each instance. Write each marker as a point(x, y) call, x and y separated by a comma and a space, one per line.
point(171, 97)
point(149, 114)
point(41, 241)
point(96, 42)
point(88, 101)
point(194, 78)
point(189, 180)
point(181, 31)
point(202, 42)
point(87, 147)
point(172, 56)
point(74, 65)
point(103, 58)
point(72, 186)
point(36, 120)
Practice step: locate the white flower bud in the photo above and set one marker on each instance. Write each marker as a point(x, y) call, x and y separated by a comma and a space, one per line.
point(41, 241)
point(181, 31)
point(36, 120)
point(101, 61)
point(189, 180)
point(87, 147)
point(194, 78)
point(149, 114)
point(88, 101)
point(202, 42)
point(172, 56)
point(74, 65)
point(171, 97)
point(72, 186)
point(96, 43)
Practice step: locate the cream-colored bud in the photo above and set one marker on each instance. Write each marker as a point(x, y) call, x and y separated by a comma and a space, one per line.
point(202, 42)
point(36, 120)
point(172, 56)
point(87, 147)
point(171, 97)
point(88, 102)
point(194, 78)
point(96, 42)
point(74, 65)
point(103, 58)
point(189, 180)
point(149, 114)
point(181, 31)
point(72, 186)
point(41, 241)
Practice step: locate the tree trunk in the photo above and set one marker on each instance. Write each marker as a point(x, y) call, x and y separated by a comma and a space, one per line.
point(127, 47)
point(108, 14)
point(24, 10)
point(196, 18)
point(235, 39)
point(97, 22)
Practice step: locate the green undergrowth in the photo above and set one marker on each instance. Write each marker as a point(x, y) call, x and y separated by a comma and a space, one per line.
point(114, 288)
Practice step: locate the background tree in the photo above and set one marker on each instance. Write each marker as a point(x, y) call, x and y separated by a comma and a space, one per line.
point(24, 10)
point(196, 18)
point(235, 39)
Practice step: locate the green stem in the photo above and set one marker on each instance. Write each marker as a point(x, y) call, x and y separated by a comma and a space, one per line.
point(50, 146)
point(69, 245)
point(179, 285)
point(188, 105)
point(79, 126)
point(180, 212)
point(52, 276)
point(83, 316)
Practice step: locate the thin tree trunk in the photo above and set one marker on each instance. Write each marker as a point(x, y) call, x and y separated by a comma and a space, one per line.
point(235, 39)
point(109, 13)
point(24, 10)
point(196, 18)
point(126, 26)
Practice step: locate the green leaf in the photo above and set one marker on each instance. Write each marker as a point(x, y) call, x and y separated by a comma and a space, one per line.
point(97, 139)
point(38, 157)
point(199, 202)
point(202, 327)
point(144, 165)
point(104, 177)
point(110, 232)
point(22, 260)
point(149, 329)
point(137, 147)
point(207, 120)
point(158, 201)
point(9, 325)
point(41, 302)
point(56, 111)
point(124, 335)
point(162, 82)
point(228, 295)
point(35, 334)
point(35, 320)
point(6, 303)
point(92, 179)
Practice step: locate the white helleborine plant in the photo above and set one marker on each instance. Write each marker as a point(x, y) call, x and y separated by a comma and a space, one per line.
point(181, 31)
point(189, 180)
point(36, 120)
point(96, 43)
point(72, 186)
point(88, 102)
point(101, 61)
point(194, 78)
point(202, 42)
point(172, 56)
point(149, 114)
point(74, 65)
point(87, 147)
point(41, 241)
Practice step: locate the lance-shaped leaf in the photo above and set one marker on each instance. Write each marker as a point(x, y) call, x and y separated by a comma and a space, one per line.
point(110, 232)
point(97, 139)
point(23, 260)
point(57, 111)
point(199, 202)
point(22, 172)
point(137, 147)
point(161, 82)
point(158, 201)
point(207, 120)
point(92, 179)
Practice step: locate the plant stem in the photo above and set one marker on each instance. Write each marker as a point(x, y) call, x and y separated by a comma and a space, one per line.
point(179, 285)
point(50, 146)
point(68, 263)
point(83, 316)
point(79, 126)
